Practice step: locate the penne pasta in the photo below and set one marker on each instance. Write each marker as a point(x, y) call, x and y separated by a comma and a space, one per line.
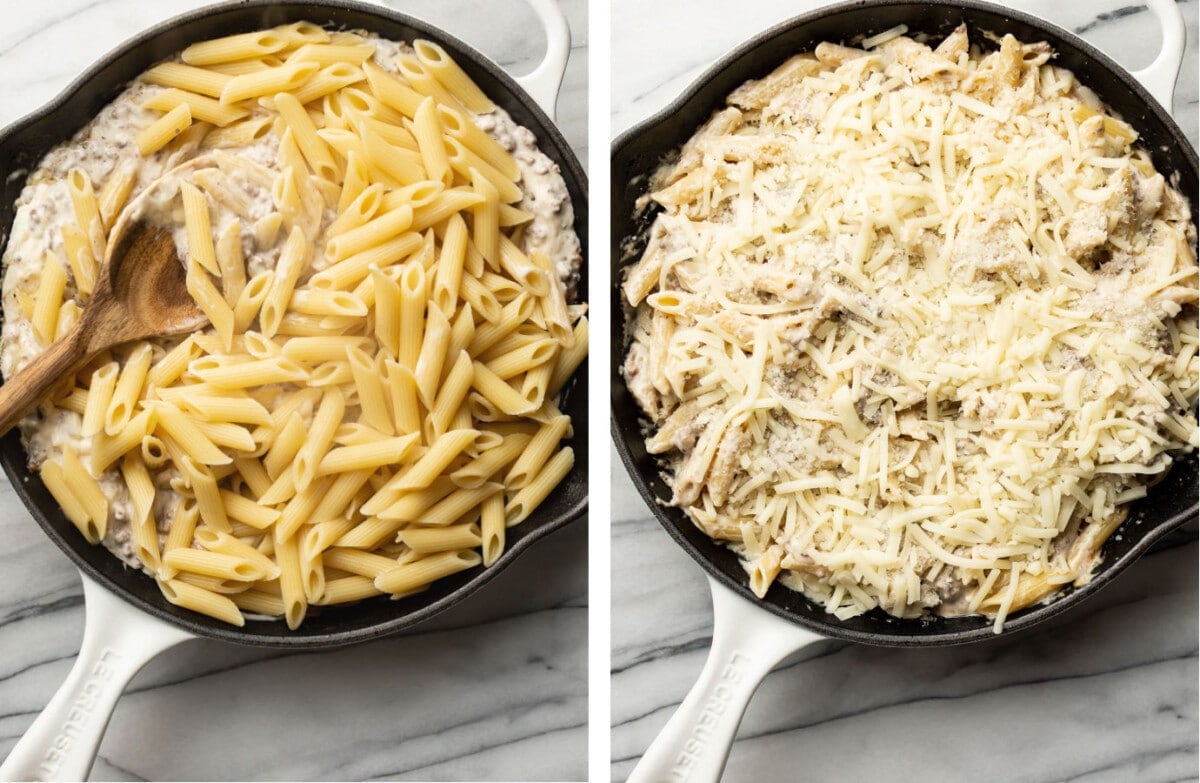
point(328, 54)
point(200, 108)
point(492, 525)
point(415, 73)
point(249, 301)
point(499, 393)
point(198, 599)
point(260, 602)
point(429, 540)
point(82, 261)
point(108, 449)
point(293, 261)
point(234, 47)
point(392, 91)
point(450, 265)
point(568, 361)
point(187, 77)
point(221, 565)
point(199, 228)
point(115, 192)
point(482, 300)
point(379, 344)
point(298, 34)
point(476, 141)
point(402, 166)
point(236, 135)
point(462, 160)
point(211, 302)
point(180, 534)
point(312, 146)
point(435, 343)
point(430, 143)
point(164, 129)
point(48, 301)
point(291, 584)
point(412, 286)
point(351, 270)
point(369, 385)
point(443, 205)
point(451, 76)
point(232, 263)
point(355, 561)
point(486, 220)
point(529, 497)
point(451, 395)
point(370, 234)
point(409, 576)
point(100, 393)
point(203, 484)
point(308, 458)
point(361, 206)
point(402, 393)
point(434, 462)
point(268, 81)
point(128, 389)
point(491, 461)
point(141, 498)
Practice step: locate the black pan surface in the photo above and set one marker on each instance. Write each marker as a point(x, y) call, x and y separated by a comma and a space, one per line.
point(638, 152)
point(25, 142)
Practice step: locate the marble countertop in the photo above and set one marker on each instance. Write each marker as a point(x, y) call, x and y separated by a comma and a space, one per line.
point(1109, 695)
point(494, 688)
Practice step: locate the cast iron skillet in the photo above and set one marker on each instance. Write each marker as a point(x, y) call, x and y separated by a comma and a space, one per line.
point(642, 149)
point(23, 144)
point(748, 641)
point(127, 619)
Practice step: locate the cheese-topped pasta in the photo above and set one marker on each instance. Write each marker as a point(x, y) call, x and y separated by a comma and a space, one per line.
point(388, 267)
point(914, 325)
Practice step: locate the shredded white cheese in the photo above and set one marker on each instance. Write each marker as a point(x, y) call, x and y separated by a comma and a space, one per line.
point(914, 324)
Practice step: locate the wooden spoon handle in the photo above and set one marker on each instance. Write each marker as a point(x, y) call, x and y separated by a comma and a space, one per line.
point(21, 393)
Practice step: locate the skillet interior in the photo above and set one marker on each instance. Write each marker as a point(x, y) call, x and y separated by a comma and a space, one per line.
point(23, 144)
point(642, 149)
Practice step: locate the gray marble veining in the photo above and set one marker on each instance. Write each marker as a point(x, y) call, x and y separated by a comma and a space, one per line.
point(1107, 696)
point(494, 688)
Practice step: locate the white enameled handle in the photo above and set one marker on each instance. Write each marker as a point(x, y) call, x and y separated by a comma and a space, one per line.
point(1159, 76)
point(747, 643)
point(543, 82)
point(118, 640)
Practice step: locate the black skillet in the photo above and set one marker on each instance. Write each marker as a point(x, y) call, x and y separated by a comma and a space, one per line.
point(642, 149)
point(25, 142)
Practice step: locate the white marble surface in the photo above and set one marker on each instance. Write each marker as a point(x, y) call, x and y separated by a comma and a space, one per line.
point(494, 689)
point(1109, 696)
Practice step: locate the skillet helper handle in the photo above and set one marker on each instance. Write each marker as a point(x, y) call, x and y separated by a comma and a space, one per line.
point(1159, 77)
point(544, 81)
point(747, 643)
point(117, 641)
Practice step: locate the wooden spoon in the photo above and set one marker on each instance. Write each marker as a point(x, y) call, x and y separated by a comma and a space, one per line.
point(141, 291)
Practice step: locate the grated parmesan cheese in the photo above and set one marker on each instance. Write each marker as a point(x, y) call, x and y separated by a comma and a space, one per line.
point(913, 325)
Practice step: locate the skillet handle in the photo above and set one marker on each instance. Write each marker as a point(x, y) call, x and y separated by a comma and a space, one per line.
point(1159, 76)
point(117, 641)
point(747, 643)
point(543, 82)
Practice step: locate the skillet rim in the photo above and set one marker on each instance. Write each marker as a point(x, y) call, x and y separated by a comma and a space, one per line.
point(676, 524)
point(449, 591)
